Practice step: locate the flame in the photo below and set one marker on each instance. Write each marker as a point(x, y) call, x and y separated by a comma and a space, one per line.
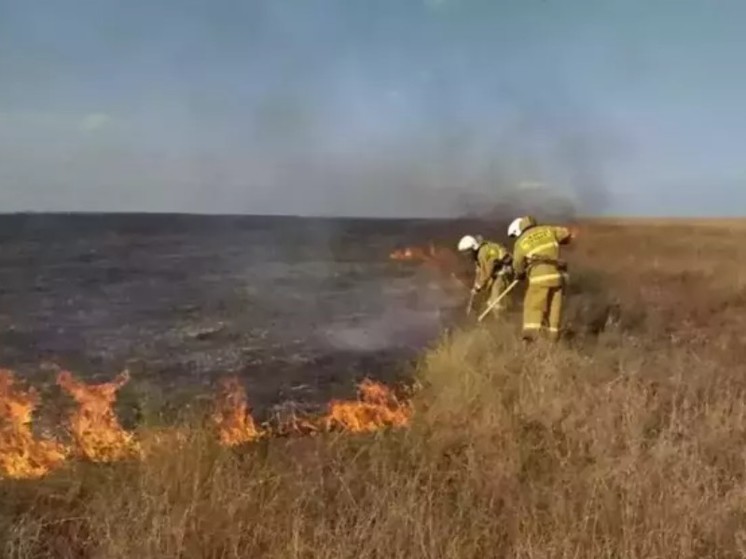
point(93, 424)
point(445, 261)
point(377, 407)
point(99, 437)
point(415, 253)
point(21, 455)
point(232, 417)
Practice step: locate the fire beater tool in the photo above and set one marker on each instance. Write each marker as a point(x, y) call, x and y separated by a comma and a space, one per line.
point(496, 301)
point(471, 302)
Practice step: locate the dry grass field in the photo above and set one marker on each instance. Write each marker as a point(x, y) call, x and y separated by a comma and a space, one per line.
point(628, 440)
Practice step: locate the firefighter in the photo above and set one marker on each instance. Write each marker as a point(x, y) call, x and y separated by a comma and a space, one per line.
point(536, 257)
point(492, 262)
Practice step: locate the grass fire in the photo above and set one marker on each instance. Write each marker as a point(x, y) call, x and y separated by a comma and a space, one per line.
point(21, 454)
point(98, 436)
point(444, 261)
point(627, 439)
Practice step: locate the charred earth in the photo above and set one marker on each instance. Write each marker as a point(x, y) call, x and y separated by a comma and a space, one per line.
point(300, 309)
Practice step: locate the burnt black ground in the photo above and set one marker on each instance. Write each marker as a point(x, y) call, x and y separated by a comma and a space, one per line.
point(300, 308)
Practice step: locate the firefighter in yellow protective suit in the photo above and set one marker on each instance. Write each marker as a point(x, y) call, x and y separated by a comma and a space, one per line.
point(536, 257)
point(493, 269)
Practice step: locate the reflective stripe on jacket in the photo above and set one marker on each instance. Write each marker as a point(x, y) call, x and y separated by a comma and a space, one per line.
point(537, 254)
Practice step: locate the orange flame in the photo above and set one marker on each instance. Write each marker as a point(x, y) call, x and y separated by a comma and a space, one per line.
point(445, 261)
point(232, 417)
point(21, 455)
point(415, 253)
point(99, 437)
point(377, 407)
point(94, 425)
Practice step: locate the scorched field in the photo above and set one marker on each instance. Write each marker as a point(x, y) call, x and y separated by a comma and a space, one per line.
point(255, 389)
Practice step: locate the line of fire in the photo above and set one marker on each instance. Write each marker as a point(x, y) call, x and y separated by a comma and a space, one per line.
point(95, 434)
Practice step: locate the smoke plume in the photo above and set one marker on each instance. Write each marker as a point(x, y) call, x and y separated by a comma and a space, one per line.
point(402, 110)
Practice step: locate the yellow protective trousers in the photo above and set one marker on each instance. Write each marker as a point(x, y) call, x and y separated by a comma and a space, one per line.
point(542, 311)
point(499, 285)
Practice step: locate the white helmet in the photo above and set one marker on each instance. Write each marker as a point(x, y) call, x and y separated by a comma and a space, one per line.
point(468, 242)
point(520, 224)
point(514, 229)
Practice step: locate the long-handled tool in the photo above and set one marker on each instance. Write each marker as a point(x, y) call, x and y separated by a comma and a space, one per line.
point(496, 301)
point(471, 303)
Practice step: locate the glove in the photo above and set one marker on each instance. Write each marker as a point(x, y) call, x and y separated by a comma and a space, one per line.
point(476, 289)
point(521, 276)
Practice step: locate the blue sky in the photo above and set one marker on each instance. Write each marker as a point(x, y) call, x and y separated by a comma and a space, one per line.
point(375, 107)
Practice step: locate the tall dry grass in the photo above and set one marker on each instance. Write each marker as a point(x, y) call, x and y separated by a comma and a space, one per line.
point(627, 441)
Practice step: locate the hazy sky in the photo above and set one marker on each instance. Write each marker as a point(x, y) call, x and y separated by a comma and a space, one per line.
point(370, 106)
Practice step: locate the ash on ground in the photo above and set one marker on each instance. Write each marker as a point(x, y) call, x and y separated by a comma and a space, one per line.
point(300, 308)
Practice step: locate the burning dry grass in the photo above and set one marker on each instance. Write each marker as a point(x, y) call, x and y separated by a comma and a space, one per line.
point(377, 407)
point(419, 254)
point(93, 424)
point(232, 419)
point(630, 441)
point(447, 263)
point(99, 437)
point(22, 455)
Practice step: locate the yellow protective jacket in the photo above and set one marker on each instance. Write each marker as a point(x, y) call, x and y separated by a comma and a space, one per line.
point(537, 254)
point(490, 258)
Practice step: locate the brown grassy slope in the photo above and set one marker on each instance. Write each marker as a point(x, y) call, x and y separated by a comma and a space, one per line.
point(628, 441)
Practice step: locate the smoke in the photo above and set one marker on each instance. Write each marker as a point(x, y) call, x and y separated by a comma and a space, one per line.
point(413, 311)
point(446, 175)
point(284, 107)
point(438, 151)
point(281, 107)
